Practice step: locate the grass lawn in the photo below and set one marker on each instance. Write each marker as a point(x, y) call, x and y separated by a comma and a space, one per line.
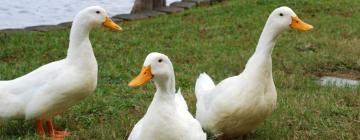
point(218, 40)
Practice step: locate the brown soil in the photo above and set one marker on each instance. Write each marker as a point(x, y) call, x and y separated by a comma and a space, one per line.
point(354, 75)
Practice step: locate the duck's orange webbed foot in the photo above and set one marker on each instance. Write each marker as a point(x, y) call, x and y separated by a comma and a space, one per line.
point(55, 138)
point(61, 133)
point(39, 128)
point(56, 133)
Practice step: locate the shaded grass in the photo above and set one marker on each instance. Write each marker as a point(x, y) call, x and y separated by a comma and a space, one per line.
point(218, 40)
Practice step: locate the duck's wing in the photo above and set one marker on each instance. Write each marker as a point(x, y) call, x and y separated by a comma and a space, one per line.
point(11, 106)
point(195, 130)
point(180, 101)
point(33, 88)
point(35, 79)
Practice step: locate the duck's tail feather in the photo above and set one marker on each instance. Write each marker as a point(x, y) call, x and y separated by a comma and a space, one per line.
point(204, 84)
point(10, 106)
point(180, 101)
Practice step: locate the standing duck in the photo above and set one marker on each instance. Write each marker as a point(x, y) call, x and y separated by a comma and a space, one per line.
point(55, 87)
point(167, 117)
point(238, 104)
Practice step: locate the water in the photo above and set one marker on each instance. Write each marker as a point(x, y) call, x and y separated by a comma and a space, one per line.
point(24, 13)
point(329, 80)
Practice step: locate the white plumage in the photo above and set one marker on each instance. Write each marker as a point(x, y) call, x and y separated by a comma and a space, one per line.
point(167, 117)
point(55, 87)
point(238, 104)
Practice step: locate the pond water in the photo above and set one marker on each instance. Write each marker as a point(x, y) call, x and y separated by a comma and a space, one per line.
point(24, 13)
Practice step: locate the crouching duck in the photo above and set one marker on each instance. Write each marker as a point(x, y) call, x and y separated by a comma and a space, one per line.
point(167, 117)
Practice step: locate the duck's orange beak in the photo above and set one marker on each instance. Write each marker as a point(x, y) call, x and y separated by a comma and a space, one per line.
point(297, 23)
point(108, 23)
point(144, 77)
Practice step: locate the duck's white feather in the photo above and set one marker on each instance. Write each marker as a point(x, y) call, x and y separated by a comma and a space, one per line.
point(230, 107)
point(135, 133)
point(204, 84)
point(170, 121)
point(11, 106)
point(48, 90)
point(180, 101)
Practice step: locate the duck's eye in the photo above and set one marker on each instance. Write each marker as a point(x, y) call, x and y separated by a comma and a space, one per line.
point(97, 12)
point(281, 14)
point(160, 60)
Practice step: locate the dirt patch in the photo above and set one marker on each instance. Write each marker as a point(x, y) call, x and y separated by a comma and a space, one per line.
point(7, 58)
point(354, 75)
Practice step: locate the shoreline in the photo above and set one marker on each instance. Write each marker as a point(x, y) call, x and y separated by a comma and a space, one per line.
point(175, 7)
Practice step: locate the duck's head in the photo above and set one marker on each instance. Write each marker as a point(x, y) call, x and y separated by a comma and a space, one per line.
point(95, 16)
point(283, 18)
point(157, 66)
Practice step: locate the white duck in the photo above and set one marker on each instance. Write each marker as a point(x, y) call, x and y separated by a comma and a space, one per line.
point(167, 117)
point(238, 104)
point(53, 88)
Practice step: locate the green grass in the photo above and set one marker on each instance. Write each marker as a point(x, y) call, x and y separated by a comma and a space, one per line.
point(219, 40)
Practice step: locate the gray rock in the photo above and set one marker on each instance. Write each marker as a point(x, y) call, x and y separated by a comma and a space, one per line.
point(137, 16)
point(337, 81)
point(151, 13)
point(170, 9)
point(65, 24)
point(43, 28)
point(117, 20)
point(213, 1)
point(200, 2)
point(183, 4)
point(12, 30)
point(144, 5)
point(130, 17)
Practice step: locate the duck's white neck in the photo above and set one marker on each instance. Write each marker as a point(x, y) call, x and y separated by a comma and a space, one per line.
point(267, 39)
point(165, 88)
point(260, 62)
point(80, 47)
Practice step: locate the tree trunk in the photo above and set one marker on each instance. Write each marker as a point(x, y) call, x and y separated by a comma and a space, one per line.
point(144, 5)
point(159, 3)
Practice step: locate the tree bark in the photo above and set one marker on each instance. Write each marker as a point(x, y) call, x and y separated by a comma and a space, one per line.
point(159, 3)
point(144, 5)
